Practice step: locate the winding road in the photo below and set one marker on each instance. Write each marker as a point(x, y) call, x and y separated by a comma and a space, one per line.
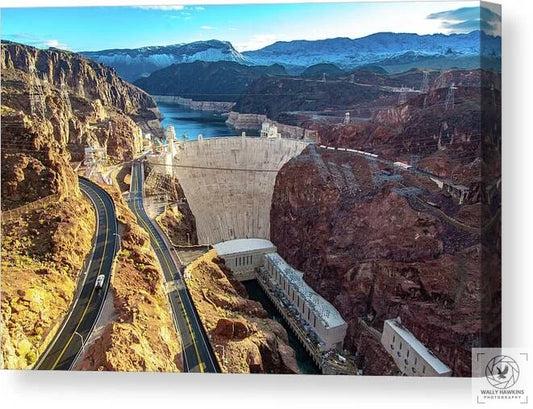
point(69, 341)
point(197, 353)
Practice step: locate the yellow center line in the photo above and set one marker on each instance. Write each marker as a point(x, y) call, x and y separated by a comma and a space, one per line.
point(93, 291)
point(149, 231)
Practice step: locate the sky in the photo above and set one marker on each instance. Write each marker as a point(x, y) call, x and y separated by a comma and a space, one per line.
point(246, 26)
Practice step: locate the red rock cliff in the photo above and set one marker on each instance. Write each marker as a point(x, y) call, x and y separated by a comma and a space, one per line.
point(370, 244)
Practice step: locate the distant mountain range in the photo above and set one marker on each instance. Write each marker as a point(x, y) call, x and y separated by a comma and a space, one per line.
point(206, 81)
point(392, 51)
point(378, 48)
point(136, 63)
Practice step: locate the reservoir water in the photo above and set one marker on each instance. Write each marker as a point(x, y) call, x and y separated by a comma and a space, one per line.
point(189, 123)
point(305, 363)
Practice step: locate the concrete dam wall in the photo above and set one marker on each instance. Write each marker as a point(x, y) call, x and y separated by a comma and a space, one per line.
point(228, 183)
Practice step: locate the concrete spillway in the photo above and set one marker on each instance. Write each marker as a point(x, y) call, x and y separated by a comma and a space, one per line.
point(228, 183)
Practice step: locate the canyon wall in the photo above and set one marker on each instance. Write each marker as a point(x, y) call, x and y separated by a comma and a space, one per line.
point(254, 122)
point(369, 242)
point(54, 103)
point(213, 106)
point(244, 339)
point(80, 102)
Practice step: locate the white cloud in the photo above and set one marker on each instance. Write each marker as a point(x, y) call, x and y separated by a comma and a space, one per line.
point(199, 8)
point(164, 8)
point(55, 43)
point(257, 41)
point(207, 27)
point(34, 41)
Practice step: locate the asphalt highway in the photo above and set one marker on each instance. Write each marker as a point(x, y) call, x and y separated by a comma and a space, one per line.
point(197, 353)
point(68, 343)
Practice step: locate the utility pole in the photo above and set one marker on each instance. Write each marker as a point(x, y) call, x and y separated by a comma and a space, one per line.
point(402, 99)
point(347, 118)
point(424, 87)
point(450, 98)
point(64, 93)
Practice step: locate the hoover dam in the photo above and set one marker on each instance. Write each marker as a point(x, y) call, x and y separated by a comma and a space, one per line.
point(229, 182)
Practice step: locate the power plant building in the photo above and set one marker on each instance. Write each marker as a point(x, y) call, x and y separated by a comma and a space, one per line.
point(410, 355)
point(317, 313)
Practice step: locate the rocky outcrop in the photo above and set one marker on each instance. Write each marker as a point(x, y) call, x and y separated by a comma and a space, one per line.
point(246, 121)
point(275, 96)
point(447, 139)
point(80, 101)
point(206, 81)
point(254, 122)
point(243, 338)
point(179, 225)
point(54, 103)
point(370, 244)
point(42, 254)
point(212, 106)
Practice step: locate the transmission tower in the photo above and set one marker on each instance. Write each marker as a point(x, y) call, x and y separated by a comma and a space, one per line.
point(81, 90)
point(424, 87)
point(37, 99)
point(402, 98)
point(346, 118)
point(64, 94)
point(323, 77)
point(414, 160)
point(450, 98)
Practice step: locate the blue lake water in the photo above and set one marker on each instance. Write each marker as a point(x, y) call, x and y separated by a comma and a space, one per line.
point(189, 123)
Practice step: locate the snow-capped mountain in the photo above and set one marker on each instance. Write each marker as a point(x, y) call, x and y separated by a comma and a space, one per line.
point(393, 51)
point(136, 63)
point(400, 48)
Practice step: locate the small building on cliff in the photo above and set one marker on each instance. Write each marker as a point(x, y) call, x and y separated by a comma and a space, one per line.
point(409, 354)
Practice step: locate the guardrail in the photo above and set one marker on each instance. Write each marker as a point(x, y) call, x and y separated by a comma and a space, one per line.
point(13, 214)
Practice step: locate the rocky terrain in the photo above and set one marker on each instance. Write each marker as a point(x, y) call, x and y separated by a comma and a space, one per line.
point(206, 81)
point(370, 244)
point(318, 70)
point(140, 334)
point(179, 225)
point(81, 102)
point(42, 253)
point(53, 104)
point(448, 140)
point(274, 96)
point(243, 338)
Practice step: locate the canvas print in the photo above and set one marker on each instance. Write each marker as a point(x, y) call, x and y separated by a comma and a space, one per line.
point(251, 188)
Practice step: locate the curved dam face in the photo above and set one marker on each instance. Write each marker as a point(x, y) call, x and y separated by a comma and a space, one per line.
point(228, 183)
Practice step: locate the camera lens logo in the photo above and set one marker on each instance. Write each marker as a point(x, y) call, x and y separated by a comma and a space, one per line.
point(502, 372)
